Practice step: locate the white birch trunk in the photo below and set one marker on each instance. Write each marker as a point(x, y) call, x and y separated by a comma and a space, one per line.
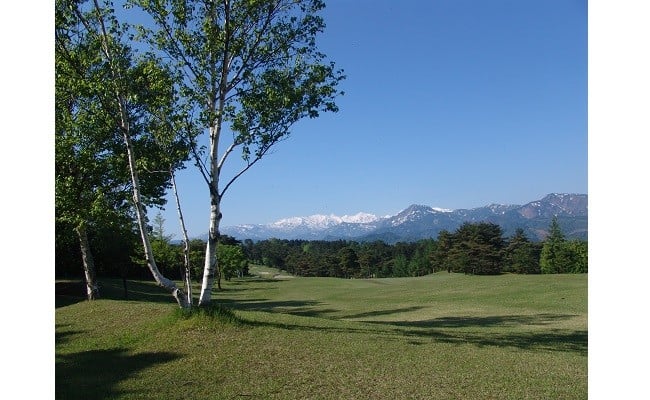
point(92, 290)
point(135, 181)
point(186, 242)
point(211, 264)
point(161, 280)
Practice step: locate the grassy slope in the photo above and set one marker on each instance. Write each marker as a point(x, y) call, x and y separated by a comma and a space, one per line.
point(444, 336)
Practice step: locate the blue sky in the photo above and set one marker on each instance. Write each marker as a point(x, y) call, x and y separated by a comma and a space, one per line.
point(453, 103)
point(553, 160)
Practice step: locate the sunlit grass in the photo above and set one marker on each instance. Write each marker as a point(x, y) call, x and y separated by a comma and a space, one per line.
point(444, 336)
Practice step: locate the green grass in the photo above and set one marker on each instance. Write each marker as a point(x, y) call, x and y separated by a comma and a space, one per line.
point(443, 336)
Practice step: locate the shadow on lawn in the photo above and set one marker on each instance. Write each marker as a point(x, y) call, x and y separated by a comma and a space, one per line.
point(303, 308)
point(378, 313)
point(423, 332)
point(71, 292)
point(61, 337)
point(95, 374)
point(496, 320)
point(554, 339)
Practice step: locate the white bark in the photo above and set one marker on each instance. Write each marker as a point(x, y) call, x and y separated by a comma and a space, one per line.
point(137, 198)
point(92, 290)
point(162, 281)
point(186, 242)
point(211, 265)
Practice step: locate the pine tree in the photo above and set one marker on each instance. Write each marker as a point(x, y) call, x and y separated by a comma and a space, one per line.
point(554, 258)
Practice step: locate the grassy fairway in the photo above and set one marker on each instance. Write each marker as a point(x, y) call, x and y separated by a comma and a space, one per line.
point(444, 336)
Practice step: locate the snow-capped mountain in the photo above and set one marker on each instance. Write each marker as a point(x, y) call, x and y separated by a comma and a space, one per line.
point(312, 227)
point(323, 221)
point(421, 221)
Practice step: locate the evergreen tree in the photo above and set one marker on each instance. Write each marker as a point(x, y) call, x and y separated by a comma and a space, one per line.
point(477, 249)
point(440, 255)
point(521, 255)
point(578, 251)
point(554, 258)
point(349, 262)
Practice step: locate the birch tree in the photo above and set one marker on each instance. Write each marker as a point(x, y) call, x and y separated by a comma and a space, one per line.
point(89, 183)
point(127, 95)
point(250, 69)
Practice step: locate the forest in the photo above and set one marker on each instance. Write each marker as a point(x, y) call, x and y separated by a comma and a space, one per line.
point(474, 248)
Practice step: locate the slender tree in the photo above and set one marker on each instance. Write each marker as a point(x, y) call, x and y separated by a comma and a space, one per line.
point(251, 69)
point(127, 95)
point(187, 266)
point(90, 172)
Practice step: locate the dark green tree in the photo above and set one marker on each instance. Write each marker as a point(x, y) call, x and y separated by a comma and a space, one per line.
point(521, 255)
point(349, 262)
point(579, 254)
point(440, 255)
point(554, 258)
point(94, 185)
point(477, 249)
point(371, 256)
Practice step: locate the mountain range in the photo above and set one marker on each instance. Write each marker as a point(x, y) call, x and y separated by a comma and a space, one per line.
point(420, 222)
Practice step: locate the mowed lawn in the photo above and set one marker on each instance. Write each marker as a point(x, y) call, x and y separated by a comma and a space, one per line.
point(443, 336)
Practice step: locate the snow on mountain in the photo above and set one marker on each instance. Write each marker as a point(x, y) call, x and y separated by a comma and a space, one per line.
point(319, 221)
point(420, 221)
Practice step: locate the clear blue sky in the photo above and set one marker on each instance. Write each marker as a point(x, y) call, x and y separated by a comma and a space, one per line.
point(448, 103)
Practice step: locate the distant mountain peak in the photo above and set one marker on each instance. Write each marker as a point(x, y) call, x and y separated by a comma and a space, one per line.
point(320, 221)
point(419, 221)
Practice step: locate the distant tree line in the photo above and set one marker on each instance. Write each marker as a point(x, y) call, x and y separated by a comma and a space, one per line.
point(474, 248)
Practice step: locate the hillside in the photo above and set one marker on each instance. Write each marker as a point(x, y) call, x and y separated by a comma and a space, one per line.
point(421, 221)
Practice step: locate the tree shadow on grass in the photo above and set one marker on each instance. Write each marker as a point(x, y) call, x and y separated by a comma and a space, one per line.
point(488, 321)
point(71, 292)
point(96, 374)
point(553, 340)
point(378, 313)
point(304, 308)
point(61, 337)
point(451, 330)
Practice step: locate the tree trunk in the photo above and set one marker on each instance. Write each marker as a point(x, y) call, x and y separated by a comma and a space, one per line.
point(92, 291)
point(162, 281)
point(211, 266)
point(123, 122)
point(186, 242)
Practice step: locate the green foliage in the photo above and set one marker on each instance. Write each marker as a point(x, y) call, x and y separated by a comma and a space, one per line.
point(92, 180)
point(555, 257)
point(521, 255)
point(231, 260)
point(477, 249)
point(250, 66)
point(579, 254)
point(197, 257)
point(348, 262)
